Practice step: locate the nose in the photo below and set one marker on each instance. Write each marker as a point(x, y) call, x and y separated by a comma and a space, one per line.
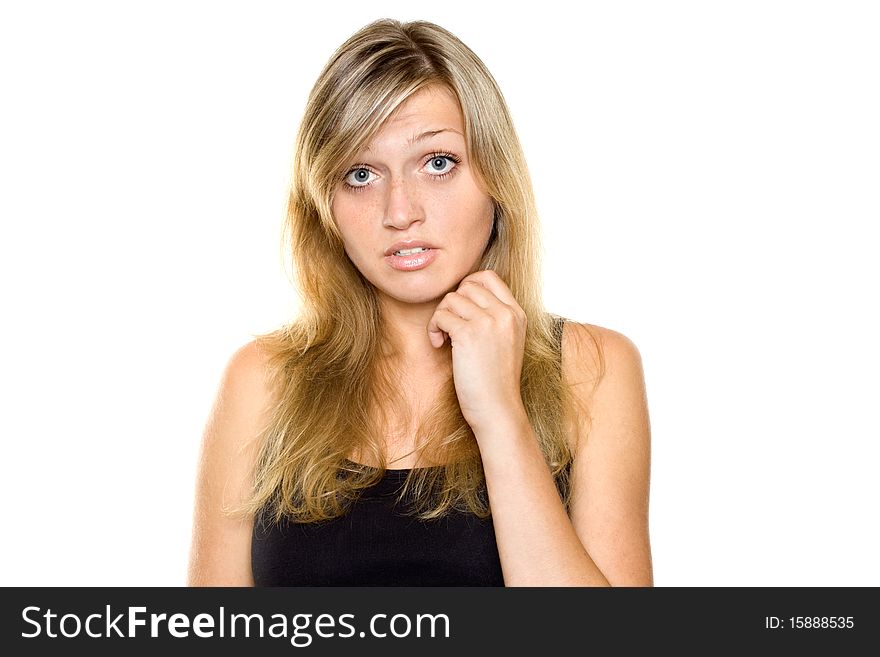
point(402, 207)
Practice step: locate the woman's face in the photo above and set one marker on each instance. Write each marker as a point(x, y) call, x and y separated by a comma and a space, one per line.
point(412, 187)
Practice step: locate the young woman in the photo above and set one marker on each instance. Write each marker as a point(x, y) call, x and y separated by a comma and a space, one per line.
point(424, 421)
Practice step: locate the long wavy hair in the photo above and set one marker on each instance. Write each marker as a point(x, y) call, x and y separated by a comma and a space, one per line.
point(333, 389)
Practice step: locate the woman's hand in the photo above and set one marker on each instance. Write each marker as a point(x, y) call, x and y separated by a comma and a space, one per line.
point(487, 329)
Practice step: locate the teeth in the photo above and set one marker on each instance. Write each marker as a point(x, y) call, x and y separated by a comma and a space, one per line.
point(406, 252)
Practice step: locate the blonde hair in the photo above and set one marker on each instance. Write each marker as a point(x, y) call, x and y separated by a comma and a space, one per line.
point(332, 388)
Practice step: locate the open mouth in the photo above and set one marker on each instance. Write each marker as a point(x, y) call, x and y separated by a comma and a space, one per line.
point(411, 259)
point(407, 252)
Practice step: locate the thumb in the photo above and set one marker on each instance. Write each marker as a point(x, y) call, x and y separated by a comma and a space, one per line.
point(437, 337)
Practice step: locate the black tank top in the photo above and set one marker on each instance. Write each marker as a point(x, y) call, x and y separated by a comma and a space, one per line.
point(377, 544)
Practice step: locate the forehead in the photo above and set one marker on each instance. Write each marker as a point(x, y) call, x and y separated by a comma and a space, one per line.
point(430, 109)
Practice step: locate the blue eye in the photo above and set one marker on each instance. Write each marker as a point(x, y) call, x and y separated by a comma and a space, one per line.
point(439, 162)
point(358, 177)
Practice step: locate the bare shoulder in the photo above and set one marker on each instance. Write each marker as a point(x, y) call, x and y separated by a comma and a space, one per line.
point(240, 410)
point(592, 354)
point(246, 372)
point(242, 399)
point(611, 470)
point(604, 369)
point(220, 551)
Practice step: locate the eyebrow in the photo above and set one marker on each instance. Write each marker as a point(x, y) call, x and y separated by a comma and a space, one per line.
point(423, 136)
point(430, 133)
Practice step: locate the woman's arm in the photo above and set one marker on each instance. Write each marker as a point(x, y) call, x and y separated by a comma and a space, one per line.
point(611, 473)
point(605, 539)
point(220, 554)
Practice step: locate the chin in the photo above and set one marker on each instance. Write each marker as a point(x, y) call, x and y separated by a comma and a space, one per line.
point(418, 292)
point(418, 287)
point(415, 297)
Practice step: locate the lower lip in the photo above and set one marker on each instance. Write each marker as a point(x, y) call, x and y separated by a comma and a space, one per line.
point(412, 262)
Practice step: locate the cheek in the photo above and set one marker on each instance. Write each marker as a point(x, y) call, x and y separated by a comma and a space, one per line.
point(346, 218)
point(341, 212)
point(469, 209)
point(482, 210)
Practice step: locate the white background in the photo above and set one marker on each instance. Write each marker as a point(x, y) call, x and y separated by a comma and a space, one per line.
point(707, 175)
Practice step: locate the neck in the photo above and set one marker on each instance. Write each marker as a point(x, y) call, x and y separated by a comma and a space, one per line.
point(407, 334)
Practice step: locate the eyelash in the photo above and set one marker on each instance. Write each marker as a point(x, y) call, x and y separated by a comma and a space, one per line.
point(432, 156)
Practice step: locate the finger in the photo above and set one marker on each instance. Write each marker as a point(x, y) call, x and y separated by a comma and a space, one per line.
point(493, 282)
point(480, 295)
point(442, 323)
point(462, 306)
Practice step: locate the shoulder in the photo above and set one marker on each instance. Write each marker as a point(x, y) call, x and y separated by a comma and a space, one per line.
point(247, 363)
point(220, 551)
point(595, 357)
point(611, 470)
point(603, 370)
point(240, 409)
point(244, 384)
